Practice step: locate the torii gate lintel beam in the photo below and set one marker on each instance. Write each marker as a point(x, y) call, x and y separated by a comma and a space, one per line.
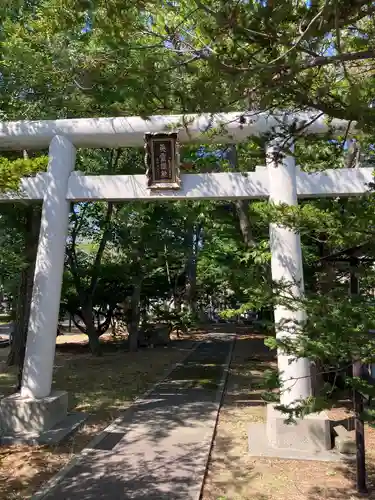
point(229, 186)
point(117, 132)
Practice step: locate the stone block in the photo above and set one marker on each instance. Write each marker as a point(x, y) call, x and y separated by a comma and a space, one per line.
point(161, 336)
point(259, 446)
point(312, 433)
point(19, 415)
point(60, 432)
point(345, 440)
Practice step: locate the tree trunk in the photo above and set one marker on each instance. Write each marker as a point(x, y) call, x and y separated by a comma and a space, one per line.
point(193, 238)
point(133, 326)
point(327, 273)
point(16, 355)
point(86, 296)
point(91, 329)
point(114, 326)
point(242, 208)
point(177, 303)
point(325, 283)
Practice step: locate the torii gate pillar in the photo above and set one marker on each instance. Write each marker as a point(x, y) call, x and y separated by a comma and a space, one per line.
point(308, 438)
point(31, 415)
point(287, 268)
point(49, 267)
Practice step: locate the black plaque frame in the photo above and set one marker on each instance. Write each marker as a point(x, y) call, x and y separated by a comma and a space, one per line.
point(153, 144)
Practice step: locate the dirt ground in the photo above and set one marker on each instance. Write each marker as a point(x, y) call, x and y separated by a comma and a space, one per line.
point(234, 475)
point(100, 386)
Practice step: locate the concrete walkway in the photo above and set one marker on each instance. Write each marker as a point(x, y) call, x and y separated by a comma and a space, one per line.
point(157, 450)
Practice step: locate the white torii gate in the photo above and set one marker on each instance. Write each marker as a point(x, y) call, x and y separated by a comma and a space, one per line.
point(281, 181)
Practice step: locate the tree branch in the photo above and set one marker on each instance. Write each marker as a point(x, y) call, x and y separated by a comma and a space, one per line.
point(338, 58)
point(354, 9)
point(82, 329)
point(302, 36)
point(103, 327)
point(112, 164)
point(102, 245)
point(71, 249)
point(289, 71)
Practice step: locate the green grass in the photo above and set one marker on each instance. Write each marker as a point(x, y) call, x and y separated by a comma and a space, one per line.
point(195, 376)
point(4, 319)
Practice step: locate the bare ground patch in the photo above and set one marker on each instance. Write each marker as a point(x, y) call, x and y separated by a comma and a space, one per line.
point(234, 475)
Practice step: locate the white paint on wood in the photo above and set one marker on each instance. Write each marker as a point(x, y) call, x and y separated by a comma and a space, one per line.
point(287, 270)
point(331, 183)
point(30, 188)
point(251, 185)
point(45, 303)
point(193, 186)
point(129, 131)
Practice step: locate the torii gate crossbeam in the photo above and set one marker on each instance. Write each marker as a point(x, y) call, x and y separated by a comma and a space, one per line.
point(332, 183)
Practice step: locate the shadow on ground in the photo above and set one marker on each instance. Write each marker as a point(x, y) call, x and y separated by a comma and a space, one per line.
point(234, 475)
point(159, 448)
point(155, 452)
point(101, 386)
point(348, 471)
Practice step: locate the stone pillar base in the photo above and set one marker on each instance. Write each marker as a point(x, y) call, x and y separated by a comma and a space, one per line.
point(307, 439)
point(312, 433)
point(37, 421)
point(25, 415)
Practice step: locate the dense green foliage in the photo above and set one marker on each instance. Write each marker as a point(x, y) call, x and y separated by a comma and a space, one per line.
point(11, 171)
point(63, 59)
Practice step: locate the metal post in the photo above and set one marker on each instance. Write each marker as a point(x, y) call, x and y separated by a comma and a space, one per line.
point(358, 400)
point(359, 434)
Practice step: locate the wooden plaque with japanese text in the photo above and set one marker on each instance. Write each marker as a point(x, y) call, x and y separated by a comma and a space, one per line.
point(162, 161)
